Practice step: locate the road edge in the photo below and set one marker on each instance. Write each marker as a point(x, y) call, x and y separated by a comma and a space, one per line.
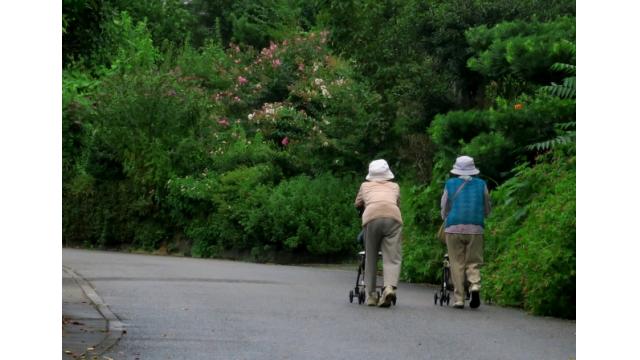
point(115, 327)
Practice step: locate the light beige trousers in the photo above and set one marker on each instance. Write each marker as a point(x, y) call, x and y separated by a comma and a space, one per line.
point(466, 258)
point(384, 235)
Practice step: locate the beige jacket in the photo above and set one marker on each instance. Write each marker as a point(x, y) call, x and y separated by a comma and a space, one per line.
point(381, 199)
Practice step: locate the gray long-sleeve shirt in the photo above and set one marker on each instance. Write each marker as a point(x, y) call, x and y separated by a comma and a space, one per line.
point(465, 228)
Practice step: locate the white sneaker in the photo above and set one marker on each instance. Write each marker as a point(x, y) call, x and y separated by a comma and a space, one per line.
point(372, 299)
point(388, 296)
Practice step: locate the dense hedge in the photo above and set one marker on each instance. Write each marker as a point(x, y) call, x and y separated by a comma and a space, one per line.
point(531, 239)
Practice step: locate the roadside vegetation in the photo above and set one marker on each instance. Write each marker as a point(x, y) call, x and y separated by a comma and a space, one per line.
point(242, 129)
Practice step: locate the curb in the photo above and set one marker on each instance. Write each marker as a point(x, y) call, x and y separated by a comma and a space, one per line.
point(115, 327)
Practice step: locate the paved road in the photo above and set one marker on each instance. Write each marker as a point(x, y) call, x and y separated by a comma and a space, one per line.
point(184, 308)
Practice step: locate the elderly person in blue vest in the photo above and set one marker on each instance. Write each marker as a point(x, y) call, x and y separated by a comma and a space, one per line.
point(382, 224)
point(464, 205)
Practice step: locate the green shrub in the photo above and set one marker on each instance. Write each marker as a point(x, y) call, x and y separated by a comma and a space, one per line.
point(422, 251)
point(313, 215)
point(214, 209)
point(531, 240)
point(526, 49)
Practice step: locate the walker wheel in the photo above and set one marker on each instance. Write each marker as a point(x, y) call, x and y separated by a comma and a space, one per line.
point(435, 298)
point(394, 301)
point(448, 297)
point(351, 296)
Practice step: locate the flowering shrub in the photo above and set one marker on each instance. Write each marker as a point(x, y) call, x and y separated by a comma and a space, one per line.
point(305, 100)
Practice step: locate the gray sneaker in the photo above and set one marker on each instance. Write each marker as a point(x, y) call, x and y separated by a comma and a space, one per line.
point(388, 296)
point(372, 299)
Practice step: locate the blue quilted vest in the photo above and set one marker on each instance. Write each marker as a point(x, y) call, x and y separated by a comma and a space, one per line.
point(468, 207)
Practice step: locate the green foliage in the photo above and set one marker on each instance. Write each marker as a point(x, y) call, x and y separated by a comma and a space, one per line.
point(88, 35)
point(422, 251)
point(565, 137)
point(216, 210)
point(145, 120)
point(132, 46)
point(524, 49)
point(77, 107)
point(415, 55)
point(566, 91)
point(258, 22)
point(530, 245)
point(168, 21)
point(313, 215)
point(82, 35)
point(497, 138)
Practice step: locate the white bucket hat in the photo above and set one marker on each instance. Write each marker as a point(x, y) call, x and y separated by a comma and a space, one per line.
point(379, 170)
point(464, 166)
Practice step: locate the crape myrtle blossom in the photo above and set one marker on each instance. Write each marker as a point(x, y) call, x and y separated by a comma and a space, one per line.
point(267, 112)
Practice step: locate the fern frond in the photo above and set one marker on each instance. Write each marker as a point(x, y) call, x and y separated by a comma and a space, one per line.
point(569, 82)
point(562, 91)
point(550, 144)
point(565, 68)
point(566, 125)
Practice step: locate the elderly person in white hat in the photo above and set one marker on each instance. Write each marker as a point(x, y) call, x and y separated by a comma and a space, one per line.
point(382, 225)
point(464, 205)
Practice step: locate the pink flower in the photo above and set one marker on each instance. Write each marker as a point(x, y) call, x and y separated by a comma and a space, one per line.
point(223, 121)
point(242, 80)
point(275, 63)
point(285, 141)
point(236, 98)
point(301, 66)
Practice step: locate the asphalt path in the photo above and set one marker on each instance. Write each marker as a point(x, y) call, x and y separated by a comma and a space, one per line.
point(185, 308)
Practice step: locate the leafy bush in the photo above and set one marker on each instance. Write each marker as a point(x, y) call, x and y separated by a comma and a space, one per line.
point(258, 22)
point(315, 216)
point(531, 240)
point(77, 108)
point(525, 49)
point(422, 251)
